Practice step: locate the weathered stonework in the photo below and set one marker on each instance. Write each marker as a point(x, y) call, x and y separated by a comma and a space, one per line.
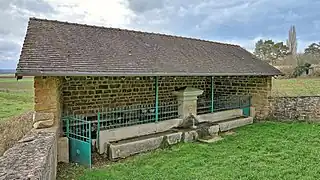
point(63, 149)
point(87, 95)
point(47, 96)
point(190, 136)
point(34, 157)
point(306, 108)
point(187, 100)
point(259, 87)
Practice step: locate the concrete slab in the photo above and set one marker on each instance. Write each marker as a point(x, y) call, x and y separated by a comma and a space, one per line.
point(219, 116)
point(227, 125)
point(127, 149)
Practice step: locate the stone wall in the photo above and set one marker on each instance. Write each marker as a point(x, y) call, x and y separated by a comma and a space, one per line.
point(48, 96)
point(259, 87)
point(34, 157)
point(87, 95)
point(296, 108)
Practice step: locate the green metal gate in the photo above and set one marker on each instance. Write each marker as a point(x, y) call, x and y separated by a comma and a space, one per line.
point(78, 130)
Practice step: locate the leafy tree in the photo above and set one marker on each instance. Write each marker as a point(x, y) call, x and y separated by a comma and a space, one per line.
point(300, 69)
point(270, 51)
point(313, 49)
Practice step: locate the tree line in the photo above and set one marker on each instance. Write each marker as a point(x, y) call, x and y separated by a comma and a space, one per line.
point(280, 53)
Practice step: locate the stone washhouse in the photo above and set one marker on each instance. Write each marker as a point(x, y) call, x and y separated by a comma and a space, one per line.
point(121, 92)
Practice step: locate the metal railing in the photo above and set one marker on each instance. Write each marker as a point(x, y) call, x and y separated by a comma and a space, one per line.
point(109, 118)
point(77, 126)
point(203, 106)
point(222, 103)
point(136, 114)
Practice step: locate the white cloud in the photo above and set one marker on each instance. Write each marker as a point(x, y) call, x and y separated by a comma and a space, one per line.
point(97, 12)
point(241, 22)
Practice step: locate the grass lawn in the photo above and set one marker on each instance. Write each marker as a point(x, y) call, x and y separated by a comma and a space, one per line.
point(16, 97)
point(267, 150)
point(296, 87)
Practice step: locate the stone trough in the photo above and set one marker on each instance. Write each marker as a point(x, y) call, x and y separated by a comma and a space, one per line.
point(135, 145)
point(126, 141)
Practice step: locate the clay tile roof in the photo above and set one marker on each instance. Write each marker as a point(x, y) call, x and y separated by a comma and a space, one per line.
point(61, 48)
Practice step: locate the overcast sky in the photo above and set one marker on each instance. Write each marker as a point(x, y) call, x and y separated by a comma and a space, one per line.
point(240, 22)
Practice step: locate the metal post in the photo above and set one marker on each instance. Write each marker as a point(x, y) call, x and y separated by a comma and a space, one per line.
point(98, 129)
point(212, 94)
point(157, 98)
point(250, 97)
point(67, 126)
point(90, 143)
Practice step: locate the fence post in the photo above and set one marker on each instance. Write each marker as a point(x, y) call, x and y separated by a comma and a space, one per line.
point(157, 98)
point(90, 141)
point(67, 126)
point(212, 94)
point(98, 130)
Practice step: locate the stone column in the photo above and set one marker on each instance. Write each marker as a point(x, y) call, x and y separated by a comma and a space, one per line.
point(47, 99)
point(187, 101)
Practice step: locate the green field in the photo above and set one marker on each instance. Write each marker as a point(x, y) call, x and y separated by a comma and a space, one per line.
point(296, 87)
point(16, 97)
point(269, 150)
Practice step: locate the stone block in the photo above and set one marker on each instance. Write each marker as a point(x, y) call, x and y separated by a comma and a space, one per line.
point(128, 148)
point(63, 149)
point(190, 136)
point(43, 124)
point(232, 124)
point(218, 116)
point(214, 129)
point(135, 131)
point(41, 116)
point(174, 138)
point(252, 112)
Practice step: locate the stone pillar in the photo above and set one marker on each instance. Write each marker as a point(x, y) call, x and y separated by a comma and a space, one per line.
point(187, 101)
point(47, 99)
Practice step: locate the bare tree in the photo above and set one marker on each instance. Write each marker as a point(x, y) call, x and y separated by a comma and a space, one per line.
point(292, 41)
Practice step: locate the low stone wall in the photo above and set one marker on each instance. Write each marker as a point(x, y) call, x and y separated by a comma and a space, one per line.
point(296, 108)
point(33, 157)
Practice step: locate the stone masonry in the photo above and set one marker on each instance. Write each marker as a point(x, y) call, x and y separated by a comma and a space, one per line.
point(306, 108)
point(259, 87)
point(34, 157)
point(47, 96)
point(87, 95)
